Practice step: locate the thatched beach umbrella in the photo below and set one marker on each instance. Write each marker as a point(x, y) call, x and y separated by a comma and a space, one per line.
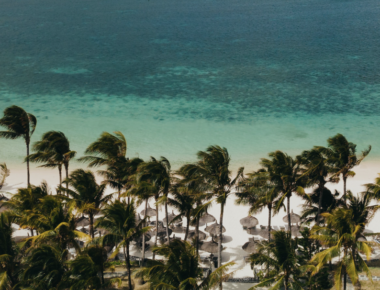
point(82, 222)
point(202, 235)
point(207, 218)
point(210, 247)
point(171, 217)
point(249, 222)
point(214, 229)
point(138, 218)
point(149, 211)
point(250, 246)
point(294, 218)
point(178, 229)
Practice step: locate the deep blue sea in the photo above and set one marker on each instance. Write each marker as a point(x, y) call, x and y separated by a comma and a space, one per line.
point(177, 75)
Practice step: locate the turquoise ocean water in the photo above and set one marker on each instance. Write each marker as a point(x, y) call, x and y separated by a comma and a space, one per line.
point(176, 76)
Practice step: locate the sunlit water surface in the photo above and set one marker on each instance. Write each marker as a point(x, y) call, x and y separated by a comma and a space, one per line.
point(176, 76)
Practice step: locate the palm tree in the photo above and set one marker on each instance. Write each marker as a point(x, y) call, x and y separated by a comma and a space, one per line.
point(158, 174)
point(45, 268)
point(4, 173)
point(86, 267)
point(319, 172)
point(285, 173)
point(19, 124)
point(259, 192)
point(120, 220)
point(344, 237)
point(213, 169)
point(87, 195)
point(280, 257)
point(181, 269)
point(54, 151)
point(343, 156)
point(25, 201)
point(8, 253)
point(109, 150)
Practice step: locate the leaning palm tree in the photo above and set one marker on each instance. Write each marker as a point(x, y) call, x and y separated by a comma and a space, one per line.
point(88, 196)
point(54, 151)
point(157, 172)
point(318, 171)
point(4, 173)
point(343, 237)
point(120, 220)
point(280, 257)
point(19, 124)
point(8, 253)
point(213, 169)
point(181, 269)
point(342, 155)
point(285, 173)
point(259, 192)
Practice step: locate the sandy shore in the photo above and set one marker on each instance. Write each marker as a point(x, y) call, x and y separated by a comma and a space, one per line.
point(235, 235)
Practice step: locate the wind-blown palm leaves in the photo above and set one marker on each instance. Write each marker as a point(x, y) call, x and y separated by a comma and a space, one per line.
point(157, 172)
point(343, 236)
point(342, 155)
point(4, 173)
point(181, 269)
point(25, 201)
point(258, 191)
point(8, 252)
point(280, 257)
point(54, 151)
point(213, 169)
point(87, 195)
point(319, 171)
point(285, 173)
point(19, 124)
point(120, 220)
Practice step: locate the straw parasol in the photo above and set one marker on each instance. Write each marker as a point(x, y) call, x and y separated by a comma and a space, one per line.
point(214, 229)
point(149, 211)
point(202, 235)
point(83, 221)
point(249, 222)
point(250, 246)
point(207, 218)
point(210, 247)
point(178, 229)
point(260, 232)
point(294, 218)
point(138, 217)
point(171, 217)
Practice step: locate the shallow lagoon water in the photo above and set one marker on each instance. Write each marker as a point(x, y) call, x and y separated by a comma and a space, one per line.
point(176, 76)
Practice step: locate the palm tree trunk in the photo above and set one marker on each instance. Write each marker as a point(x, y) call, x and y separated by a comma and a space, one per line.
point(167, 221)
point(220, 241)
point(197, 235)
point(344, 186)
point(269, 221)
point(344, 280)
point(118, 193)
point(31, 232)
point(126, 249)
point(67, 176)
point(27, 163)
point(187, 225)
point(91, 225)
point(155, 238)
point(289, 221)
point(321, 187)
point(143, 237)
point(286, 283)
point(60, 176)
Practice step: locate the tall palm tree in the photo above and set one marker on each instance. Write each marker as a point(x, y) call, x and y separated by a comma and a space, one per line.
point(181, 269)
point(109, 150)
point(280, 257)
point(88, 196)
point(25, 201)
point(285, 173)
point(19, 124)
point(53, 150)
point(8, 253)
point(318, 171)
point(158, 173)
point(259, 192)
point(213, 169)
point(120, 220)
point(4, 173)
point(343, 235)
point(343, 156)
